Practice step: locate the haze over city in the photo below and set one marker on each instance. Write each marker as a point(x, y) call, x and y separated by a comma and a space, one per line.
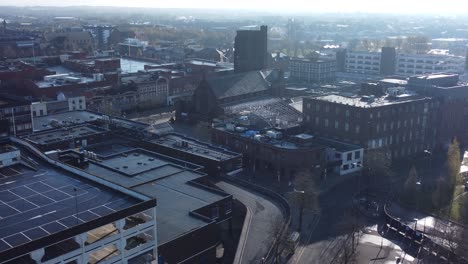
point(301, 6)
point(233, 132)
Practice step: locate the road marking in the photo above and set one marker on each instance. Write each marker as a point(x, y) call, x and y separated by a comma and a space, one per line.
point(10, 182)
point(38, 216)
point(303, 247)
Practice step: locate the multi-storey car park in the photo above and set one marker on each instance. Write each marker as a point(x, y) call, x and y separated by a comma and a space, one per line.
point(127, 154)
point(53, 215)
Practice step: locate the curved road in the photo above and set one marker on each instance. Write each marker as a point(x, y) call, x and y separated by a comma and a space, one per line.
point(263, 221)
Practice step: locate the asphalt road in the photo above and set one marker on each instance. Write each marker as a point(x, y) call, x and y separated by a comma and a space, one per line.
point(265, 216)
point(319, 236)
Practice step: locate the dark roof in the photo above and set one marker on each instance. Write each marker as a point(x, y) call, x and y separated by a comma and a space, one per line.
point(37, 204)
point(238, 84)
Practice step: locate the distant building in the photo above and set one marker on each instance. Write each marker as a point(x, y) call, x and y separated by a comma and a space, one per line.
point(62, 105)
point(101, 34)
point(400, 123)
point(388, 61)
point(250, 50)
point(408, 64)
point(71, 41)
point(363, 62)
point(213, 92)
point(312, 71)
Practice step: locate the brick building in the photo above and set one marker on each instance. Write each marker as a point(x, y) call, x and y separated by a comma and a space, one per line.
point(400, 123)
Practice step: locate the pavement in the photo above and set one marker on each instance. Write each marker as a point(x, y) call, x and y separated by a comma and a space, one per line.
point(375, 249)
point(263, 223)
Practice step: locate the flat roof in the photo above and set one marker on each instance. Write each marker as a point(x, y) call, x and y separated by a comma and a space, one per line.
point(338, 145)
point(36, 204)
point(155, 175)
point(359, 102)
point(67, 118)
point(64, 134)
point(195, 147)
point(7, 148)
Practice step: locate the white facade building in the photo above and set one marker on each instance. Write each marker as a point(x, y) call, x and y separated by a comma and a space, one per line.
point(416, 64)
point(9, 156)
point(363, 62)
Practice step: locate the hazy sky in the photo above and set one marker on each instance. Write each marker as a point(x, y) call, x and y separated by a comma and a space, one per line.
point(380, 6)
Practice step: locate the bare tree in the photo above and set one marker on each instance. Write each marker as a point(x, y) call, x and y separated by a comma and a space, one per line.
point(280, 233)
point(305, 194)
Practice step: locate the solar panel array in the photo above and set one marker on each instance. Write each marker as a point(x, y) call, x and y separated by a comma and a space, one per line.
point(37, 204)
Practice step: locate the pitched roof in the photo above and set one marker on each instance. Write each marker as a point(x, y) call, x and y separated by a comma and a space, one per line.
point(238, 84)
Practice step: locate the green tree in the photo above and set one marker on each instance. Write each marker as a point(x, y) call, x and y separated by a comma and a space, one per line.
point(453, 163)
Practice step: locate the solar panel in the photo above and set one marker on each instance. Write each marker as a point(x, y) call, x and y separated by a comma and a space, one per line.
point(40, 200)
point(6, 196)
point(22, 205)
point(23, 191)
point(39, 187)
point(16, 239)
point(70, 221)
point(53, 227)
point(6, 210)
point(56, 195)
point(35, 233)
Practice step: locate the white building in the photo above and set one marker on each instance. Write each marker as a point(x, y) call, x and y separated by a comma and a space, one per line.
point(9, 156)
point(61, 105)
point(406, 64)
point(416, 64)
point(363, 62)
point(349, 157)
point(318, 71)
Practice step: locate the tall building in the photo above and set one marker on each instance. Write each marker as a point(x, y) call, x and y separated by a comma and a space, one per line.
point(250, 50)
point(317, 71)
point(400, 123)
point(341, 60)
point(388, 61)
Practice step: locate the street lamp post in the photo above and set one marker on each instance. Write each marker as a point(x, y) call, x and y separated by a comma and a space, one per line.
point(301, 207)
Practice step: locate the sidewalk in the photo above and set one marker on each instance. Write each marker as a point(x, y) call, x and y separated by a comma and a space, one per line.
point(439, 230)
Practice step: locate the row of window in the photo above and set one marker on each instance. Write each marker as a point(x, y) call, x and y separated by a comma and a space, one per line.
point(394, 110)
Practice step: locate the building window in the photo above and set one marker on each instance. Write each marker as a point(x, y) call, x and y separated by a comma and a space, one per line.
point(346, 127)
point(378, 114)
point(357, 155)
point(317, 108)
point(308, 105)
point(346, 167)
point(347, 113)
point(337, 125)
point(326, 122)
point(327, 108)
point(358, 128)
point(317, 120)
point(349, 156)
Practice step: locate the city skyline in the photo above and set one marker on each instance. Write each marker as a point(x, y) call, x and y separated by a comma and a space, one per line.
point(300, 6)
